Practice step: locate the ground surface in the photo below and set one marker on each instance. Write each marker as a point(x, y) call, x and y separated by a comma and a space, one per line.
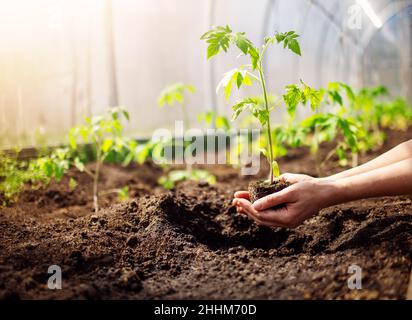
point(190, 243)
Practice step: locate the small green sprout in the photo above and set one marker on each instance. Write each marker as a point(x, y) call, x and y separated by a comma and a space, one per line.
point(72, 184)
point(124, 194)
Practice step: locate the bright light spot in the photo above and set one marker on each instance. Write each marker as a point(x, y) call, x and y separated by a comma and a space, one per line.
point(367, 8)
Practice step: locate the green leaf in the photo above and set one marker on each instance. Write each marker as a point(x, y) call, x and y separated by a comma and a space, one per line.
point(242, 42)
point(254, 57)
point(142, 153)
point(79, 164)
point(222, 123)
point(123, 193)
point(335, 97)
point(174, 93)
point(107, 144)
point(294, 46)
point(292, 98)
point(234, 76)
point(349, 134)
point(312, 95)
point(289, 41)
point(349, 92)
point(239, 107)
point(218, 39)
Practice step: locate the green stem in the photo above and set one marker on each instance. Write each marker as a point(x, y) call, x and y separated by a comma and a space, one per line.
point(269, 131)
point(96, 180)
point(355, 159)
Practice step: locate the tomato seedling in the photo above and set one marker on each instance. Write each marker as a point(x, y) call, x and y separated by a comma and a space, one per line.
point(104, 134)
point(220, 39)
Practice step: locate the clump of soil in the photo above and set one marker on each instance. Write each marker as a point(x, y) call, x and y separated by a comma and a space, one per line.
point(190, 243)
point(263, 188)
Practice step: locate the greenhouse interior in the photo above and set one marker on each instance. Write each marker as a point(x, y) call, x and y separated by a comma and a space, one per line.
point(206, 150)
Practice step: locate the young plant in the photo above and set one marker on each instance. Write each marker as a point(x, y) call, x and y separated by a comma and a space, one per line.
point(344, 131)
point(395, 115)
point(220, 39)
point(104, 134)
point(171, 95)
point(15, 173)
point(175, 94)
point(169, 181)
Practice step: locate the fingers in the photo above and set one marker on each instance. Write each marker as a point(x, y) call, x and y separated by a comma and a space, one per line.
point(293, 178)
point(280, 217)
point(284, 177)
point(242, 194)
point(245, 205)
point(239, 208)
point(273, 200)
point(248, 209)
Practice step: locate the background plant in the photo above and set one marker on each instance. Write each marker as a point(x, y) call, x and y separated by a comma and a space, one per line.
point(15, 173)
point(104, 133)
point(175, 94)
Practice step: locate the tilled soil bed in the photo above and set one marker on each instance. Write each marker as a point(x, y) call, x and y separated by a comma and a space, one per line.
point(189, 243)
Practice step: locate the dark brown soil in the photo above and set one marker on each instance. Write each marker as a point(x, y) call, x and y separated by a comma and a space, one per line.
point(189, 242)
point(260, 189)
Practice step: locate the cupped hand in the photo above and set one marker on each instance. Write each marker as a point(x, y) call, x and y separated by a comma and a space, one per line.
point(298, 202)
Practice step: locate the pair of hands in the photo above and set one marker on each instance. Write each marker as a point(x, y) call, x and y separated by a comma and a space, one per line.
point(304, 198)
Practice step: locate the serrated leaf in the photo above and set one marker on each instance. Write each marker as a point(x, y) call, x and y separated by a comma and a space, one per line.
point(234, 76)
point(293, 45)
point(289, 41)
point(292, 98)
point(242, 42)
point(239, 107)
point(218, 39)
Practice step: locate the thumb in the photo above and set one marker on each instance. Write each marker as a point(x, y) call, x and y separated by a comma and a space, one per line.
point(272, 200)
point(289, 177)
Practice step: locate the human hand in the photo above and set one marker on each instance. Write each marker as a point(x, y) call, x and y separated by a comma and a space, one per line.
point(300, 201)
point(293, 178)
